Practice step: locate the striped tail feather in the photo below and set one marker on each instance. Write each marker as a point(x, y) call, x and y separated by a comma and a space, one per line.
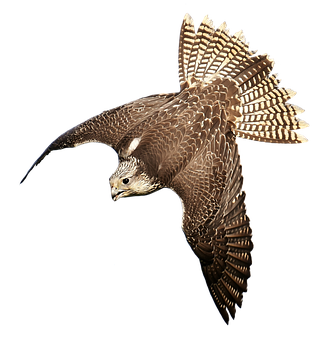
point(264, 114)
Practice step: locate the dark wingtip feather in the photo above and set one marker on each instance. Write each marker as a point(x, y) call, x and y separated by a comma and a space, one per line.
point(62, 142)
point(41, 157)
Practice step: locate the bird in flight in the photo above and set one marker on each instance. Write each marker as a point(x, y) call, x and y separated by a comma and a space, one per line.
point(186, 141)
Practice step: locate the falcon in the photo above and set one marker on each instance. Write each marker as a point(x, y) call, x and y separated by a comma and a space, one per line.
point(186, 141)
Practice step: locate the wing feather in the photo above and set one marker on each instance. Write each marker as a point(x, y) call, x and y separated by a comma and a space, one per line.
point(215, 222)
point(109, 127)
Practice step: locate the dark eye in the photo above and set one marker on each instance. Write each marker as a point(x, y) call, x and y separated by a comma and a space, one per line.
point(125, 180)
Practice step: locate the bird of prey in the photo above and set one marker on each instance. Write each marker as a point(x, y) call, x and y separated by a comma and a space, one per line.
point(186, 141)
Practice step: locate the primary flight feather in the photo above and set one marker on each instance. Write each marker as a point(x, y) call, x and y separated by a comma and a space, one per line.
point(186, 141)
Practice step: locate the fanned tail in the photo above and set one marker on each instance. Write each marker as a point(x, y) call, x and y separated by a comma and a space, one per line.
point(263, 113)
point(266, 115)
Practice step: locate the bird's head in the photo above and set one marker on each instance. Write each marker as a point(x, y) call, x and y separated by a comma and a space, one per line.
point(130, 179)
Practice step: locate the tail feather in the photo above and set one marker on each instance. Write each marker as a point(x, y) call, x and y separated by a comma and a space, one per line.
point(196, 62)
point(186, 41)
point(253, 71)
point(264, 114)
point(256, 92)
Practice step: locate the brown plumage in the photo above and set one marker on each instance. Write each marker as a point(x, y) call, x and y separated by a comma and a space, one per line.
point(186, 141)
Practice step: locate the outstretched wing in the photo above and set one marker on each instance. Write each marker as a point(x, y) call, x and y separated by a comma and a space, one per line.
point(215, 222)
point(109, 127)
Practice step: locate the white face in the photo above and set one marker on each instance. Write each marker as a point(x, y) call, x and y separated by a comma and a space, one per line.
point(126, 182)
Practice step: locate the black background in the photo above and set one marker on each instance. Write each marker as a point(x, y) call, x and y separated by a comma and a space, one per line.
point(66, 234)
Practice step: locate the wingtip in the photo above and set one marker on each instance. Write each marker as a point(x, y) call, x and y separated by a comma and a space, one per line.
point(40, 158)
point(21, 181)
point(27, 173)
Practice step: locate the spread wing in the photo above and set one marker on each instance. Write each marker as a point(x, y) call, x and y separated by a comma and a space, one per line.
point(109, 127)
point(215, 222)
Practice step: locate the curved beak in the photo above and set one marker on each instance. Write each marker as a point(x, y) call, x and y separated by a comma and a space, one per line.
point(115, 194)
